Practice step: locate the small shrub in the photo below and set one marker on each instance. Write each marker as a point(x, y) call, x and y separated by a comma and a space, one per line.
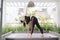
point(36, 28)
point(58, 29)
point(46, 27)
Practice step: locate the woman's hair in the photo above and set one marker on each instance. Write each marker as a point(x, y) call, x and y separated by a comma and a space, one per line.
point(27, 19)
point(23, 23)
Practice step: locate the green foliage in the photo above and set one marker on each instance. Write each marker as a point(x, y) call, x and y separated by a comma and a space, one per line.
point(8, 28)
point(36, 29)
point(46, 27)
point(58, 29)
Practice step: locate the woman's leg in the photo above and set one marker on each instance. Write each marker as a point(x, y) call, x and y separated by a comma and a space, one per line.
point(39, 27)
point(32, 28)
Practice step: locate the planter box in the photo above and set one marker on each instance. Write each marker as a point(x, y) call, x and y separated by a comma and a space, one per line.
point(33, 32)
point(55, 33)
point(24, 36)
point(3, 36)
point(35, 36)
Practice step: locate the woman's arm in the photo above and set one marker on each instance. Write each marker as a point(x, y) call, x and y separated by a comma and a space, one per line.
point(24, 24)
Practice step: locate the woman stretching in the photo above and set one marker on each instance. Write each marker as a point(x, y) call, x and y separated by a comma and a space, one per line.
point(31, 22)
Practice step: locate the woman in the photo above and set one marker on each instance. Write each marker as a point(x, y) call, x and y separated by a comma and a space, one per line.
point(28, 23)
point(32, 21)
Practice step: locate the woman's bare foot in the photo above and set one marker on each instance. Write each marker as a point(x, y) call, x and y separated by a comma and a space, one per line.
point(42, 35)
point(30, 35)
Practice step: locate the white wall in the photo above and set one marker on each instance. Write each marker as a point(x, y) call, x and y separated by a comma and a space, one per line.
point(53, 14)
point(58, 9)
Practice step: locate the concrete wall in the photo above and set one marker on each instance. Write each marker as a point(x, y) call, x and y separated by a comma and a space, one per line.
point(0, 20)
point(0, 24)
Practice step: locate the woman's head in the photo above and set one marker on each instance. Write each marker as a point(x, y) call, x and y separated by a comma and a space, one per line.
point(27, 19)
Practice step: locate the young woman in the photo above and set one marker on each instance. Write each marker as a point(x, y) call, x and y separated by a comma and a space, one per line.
point(31, 22)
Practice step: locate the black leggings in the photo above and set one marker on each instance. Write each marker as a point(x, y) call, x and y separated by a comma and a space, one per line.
point(35, 22)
